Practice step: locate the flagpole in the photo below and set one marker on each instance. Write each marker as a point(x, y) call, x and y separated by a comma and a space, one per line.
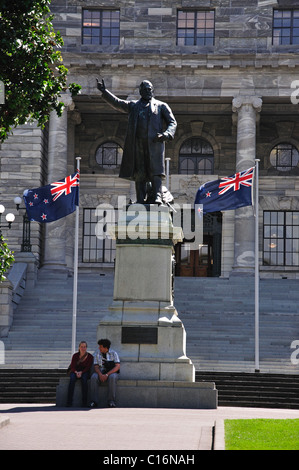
point(74, 319)
point(256, 287)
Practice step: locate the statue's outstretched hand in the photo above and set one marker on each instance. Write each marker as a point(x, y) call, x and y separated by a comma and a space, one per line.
point(101, 85)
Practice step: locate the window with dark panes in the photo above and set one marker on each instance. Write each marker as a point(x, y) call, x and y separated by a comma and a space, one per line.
point(100, 27)
point(284, 157)
point(285, 27)
point(196, 157)
point(281, 238)
point(109, 155)
point(195, 28)
point(98, 246)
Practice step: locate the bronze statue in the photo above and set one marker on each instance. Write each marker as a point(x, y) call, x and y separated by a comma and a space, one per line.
point(144, 148)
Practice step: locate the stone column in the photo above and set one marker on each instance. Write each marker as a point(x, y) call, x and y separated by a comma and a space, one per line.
point(55, 232)
point(247, 109)
point(74, 119)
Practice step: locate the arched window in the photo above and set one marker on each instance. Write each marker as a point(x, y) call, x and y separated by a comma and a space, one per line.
point(196, 157)
point(284, 157)
point(109, 155)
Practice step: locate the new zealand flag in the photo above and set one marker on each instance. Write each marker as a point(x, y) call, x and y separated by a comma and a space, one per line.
point(227, 193)
point(54, 201)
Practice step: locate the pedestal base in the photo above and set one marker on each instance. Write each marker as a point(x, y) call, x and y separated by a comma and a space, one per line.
point(150, 340)
point(148, 394)
point(240, 271)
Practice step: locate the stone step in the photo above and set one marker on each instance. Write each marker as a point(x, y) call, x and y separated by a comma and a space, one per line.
point(29, 386)
point(234, 389)
point(218, 315)
point(254, 390)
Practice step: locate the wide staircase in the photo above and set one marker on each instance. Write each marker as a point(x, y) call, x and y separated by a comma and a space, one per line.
point(41, 334)
point(218, 315)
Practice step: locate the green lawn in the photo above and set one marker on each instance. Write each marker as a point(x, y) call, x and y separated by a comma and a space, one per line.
point(261, 434)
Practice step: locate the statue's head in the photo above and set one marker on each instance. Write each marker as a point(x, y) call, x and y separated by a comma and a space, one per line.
point(146, 90)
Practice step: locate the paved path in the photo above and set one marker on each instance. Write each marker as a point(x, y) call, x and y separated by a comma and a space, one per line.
point(46, 427)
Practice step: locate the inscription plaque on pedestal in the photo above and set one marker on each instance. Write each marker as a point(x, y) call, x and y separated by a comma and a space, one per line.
point(139, 335)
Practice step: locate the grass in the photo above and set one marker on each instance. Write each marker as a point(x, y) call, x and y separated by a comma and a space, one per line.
point(261, 434)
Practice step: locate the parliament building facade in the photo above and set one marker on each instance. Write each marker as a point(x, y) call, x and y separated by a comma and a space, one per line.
point(229, 70)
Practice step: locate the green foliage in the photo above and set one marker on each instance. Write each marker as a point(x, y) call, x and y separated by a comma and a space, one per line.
point(262, 434)
point(74, 88)
point(6, 258)
point(31, 64)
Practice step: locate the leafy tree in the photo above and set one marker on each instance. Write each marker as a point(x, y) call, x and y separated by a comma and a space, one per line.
point(31, 67)
point(6, 258)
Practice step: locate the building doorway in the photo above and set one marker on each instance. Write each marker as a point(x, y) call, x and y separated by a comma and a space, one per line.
point(206, 261)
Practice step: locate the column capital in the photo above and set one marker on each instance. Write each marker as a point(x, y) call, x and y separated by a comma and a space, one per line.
point(254, 102)
point(75, 117)
point(67, 100)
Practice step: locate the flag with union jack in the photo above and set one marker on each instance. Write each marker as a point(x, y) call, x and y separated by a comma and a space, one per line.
point(227, 193)
point(54, 201)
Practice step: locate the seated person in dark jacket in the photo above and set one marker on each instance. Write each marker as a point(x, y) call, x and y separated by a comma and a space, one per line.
point(81, 364)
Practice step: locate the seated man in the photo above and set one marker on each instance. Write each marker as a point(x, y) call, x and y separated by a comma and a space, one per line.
point(106, 368)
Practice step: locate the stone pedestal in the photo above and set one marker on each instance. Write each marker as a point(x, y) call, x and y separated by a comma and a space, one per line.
point(143, 324)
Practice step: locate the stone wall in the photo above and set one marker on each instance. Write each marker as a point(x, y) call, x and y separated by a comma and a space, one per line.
point(199, 83)
point(23, 165)
point(240, 26)
point(6, 307)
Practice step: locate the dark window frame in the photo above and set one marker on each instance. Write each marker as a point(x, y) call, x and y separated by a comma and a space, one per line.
point(196, 157)
point(280, 235)
point(293, 161)
point(206, 39)
point(281, 24)
point(116, 149)
point(98, 32)
point(94, 249)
